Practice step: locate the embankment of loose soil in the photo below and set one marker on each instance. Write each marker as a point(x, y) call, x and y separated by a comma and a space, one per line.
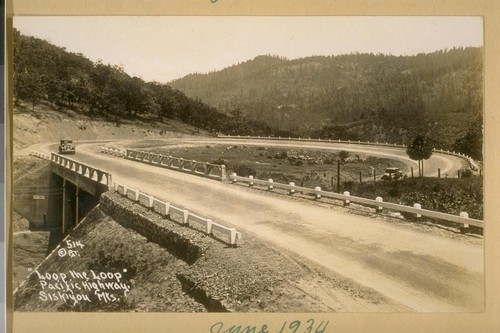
point(45, 124)
point(251, 277)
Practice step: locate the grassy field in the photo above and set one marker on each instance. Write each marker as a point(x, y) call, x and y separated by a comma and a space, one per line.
point(308, 168)
point(312, 168)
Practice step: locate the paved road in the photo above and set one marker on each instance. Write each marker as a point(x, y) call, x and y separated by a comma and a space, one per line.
point(424, 272)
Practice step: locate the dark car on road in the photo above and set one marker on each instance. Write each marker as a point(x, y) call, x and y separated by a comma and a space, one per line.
point(392, 173)
point(66, 147)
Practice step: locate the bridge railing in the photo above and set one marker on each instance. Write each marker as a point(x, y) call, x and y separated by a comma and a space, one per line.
point(39, 155)
point(178, 163)
point(184, 217)
point(385, 144)
point(113, 151)
point(472, 164)
point(378, 203)
point(85, 170)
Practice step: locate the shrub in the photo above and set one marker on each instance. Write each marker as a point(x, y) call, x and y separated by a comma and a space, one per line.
point(219, 161)
point(281, 155)
point(393, 192)
point(348, 185)
point(466, 173)
point(329, 160)
point(343, 155)
point(245, 171)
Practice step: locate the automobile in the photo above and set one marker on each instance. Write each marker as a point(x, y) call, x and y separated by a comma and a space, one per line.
point(66, 147)
point(392, 173)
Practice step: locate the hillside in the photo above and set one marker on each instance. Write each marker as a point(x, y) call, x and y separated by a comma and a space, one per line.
point(45, 123)
point(45, 74)
point(356, 96)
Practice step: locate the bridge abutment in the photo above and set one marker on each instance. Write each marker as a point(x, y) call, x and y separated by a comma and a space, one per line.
point(38, 196)
point(55, 198)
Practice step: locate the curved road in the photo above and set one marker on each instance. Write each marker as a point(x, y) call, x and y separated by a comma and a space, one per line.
point(448, 164)
point(424, 272)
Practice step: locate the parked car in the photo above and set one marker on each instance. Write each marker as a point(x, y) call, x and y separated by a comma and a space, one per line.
point(392, 173)
point(66, 147)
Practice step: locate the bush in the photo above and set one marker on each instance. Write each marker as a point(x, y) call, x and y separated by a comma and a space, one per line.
point(219, 161)
point(343, 155)
point(245, 171)
point(452, 200)
point(281, 155)
point(394, 191)
point(329, 160)
point(466, 173)
point(348, 185)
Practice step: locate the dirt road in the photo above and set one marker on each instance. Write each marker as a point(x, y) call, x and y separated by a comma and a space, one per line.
point(446, 163)
point(425, 272)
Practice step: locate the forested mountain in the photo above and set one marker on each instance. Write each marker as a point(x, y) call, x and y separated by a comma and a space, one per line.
point(49, 74)
point(356, 96)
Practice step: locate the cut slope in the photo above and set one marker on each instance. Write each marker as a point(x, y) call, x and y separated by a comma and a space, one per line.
point(49, 125)
point(222, 279)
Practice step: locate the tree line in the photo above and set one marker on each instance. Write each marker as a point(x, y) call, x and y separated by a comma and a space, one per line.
point(47, 73)
point(352, 97)
point(369, 97)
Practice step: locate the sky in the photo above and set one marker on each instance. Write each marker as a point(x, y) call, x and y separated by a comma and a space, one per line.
point(164, 48)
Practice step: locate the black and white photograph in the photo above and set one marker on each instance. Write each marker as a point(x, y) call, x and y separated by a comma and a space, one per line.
point(248, 164)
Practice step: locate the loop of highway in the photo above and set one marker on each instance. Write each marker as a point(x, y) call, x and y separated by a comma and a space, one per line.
point(423, 271)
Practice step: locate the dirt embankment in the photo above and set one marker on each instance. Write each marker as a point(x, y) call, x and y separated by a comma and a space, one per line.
point(45, 124)
point(251, 277)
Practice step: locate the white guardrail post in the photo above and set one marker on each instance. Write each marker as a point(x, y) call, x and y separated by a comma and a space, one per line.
point(417, 206)
point(318, 194)
point(188, 219)
point(378, 203)
point(223, 175)
point(465, 227)
point(379, 209)
point(347, 201)
point(270, 185)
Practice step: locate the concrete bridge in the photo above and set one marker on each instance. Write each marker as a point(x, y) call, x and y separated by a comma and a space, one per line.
point(74, 188)
point(60, 194)
point(422, 271)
